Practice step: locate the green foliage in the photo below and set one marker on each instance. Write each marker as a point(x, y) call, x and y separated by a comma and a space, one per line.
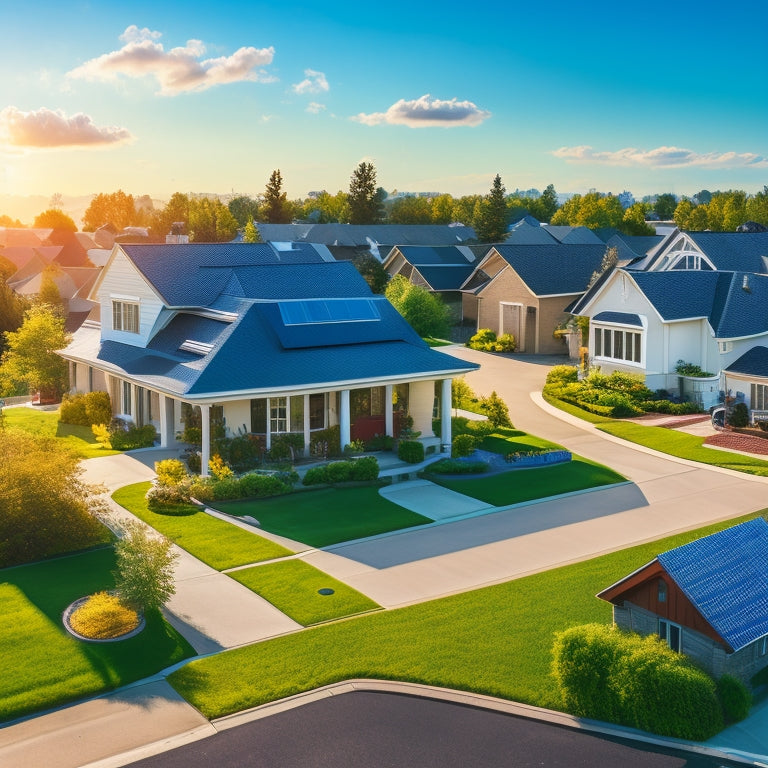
point(275, 208)
point(256, 485)
point(734, 697)
point(636, 681)
point(219, 469)
point(128, 437)
point(410, 451)
point(634, 222)
point(54, 218)
point(245, 209)
point(373, 272)
point(563, 374)
point(30, 356)
point(463, 445)
point(491, 215)
point(462, 394)
point(364, 199)
point(496, 410)
point(739, 415)
point(380, 443)
point(145, 563)
point(45, 508)
point(86, 409)
point(486, 340)
point(286, 446)
point(690, 369)
point(365, 468)
point(424, 311)
point(116, 208)
point(250, 233)
point(326, 442)
point(170, 471)
point(103, 616)
point(593, 210)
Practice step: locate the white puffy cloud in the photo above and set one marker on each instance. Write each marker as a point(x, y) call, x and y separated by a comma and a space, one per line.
point(178, 69)
point(426, 112)
point(46, 129)
point(314, 82)
point(314, 108)
point(661, 157)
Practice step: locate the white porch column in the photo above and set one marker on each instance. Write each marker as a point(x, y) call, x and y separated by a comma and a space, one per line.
point(306, 425)
point(389, 421)
point(167, 425)
point(268, 435)
point(205, 423)
point(344, 420)
point(135, 404)
point(445, 416)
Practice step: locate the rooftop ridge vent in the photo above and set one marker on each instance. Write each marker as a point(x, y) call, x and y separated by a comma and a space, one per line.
point(196, 347)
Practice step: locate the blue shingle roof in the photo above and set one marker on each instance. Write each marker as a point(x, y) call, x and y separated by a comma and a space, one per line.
point(754, 362)
point(734, 251)
point(573, 235)
point(446, 254)
point(447, 278)
point(725, 575)
point(554, 269)
point(624, 318)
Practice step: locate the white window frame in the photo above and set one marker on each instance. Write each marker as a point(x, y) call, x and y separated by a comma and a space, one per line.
point(125, 316)
point(758, 400)
point(127, 398)
point(631, 342)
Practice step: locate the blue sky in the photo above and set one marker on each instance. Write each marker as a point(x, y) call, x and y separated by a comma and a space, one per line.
point(159, 97)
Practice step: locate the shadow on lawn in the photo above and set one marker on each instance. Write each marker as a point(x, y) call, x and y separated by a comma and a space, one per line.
point(432, 541)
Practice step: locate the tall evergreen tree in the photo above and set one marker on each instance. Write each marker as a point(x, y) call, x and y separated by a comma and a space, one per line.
point(492, 215)
point(276, 209)
point(365, 200)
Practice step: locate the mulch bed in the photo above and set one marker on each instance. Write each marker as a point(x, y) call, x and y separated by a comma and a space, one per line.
point(737, 442)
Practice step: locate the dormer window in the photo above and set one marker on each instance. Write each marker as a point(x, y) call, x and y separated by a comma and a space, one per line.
point(125, 315)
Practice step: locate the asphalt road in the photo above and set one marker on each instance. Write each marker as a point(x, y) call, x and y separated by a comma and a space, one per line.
point(382, 730)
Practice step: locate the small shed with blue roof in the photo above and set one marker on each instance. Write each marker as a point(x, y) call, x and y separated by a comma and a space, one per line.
point(265, 340)
point(707, 599)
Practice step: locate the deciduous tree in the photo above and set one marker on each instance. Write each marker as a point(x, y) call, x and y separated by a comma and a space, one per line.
point(210, 221)
point(424, 311)
point(665, 206)
point(54, 218)
point(244, 209)
point(251, 233)
point(116, 208)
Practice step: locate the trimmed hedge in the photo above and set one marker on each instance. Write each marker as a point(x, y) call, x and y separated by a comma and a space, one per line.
point(735, 698)
point(606, 674)
point(458, 467)
point(86, 409)
point(464, 445)
point(365, 468)
point(410, 451)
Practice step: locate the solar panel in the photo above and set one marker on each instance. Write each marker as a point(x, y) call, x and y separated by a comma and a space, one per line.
point(313, 311)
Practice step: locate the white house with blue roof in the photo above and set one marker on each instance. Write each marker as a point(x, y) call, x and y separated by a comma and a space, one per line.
point(707, 599)
point(271, 340)
point(645, 322)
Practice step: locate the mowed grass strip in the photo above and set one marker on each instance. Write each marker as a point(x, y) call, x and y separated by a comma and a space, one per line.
point(292, 586)
point(216, 542)
point(505, 441)
point(684, 446)
point(496, 640)
point(521, 485)
point(78, 439)
point(43, 666)
point(327, 516)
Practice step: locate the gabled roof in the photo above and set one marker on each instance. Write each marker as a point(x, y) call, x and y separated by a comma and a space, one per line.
point(734, 251)
point(525, 232)
point(572, 235)
point(446, 278)
point(368, 234)
point(22, 254)
point(632, 248)
point(734, 303)
point(420, 255)
point(554, 269)
point(725, 577)
point(753, 362)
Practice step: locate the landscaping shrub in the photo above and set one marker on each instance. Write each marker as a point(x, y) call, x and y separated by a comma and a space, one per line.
point(739, 415)
point(170, 471)
point(123, 436)
point(411, 451)
point(690, 369)
point(103, 616)
point(326, 442)
point(640, 682)
point(380, 443)
point(355, 447)
point(72, 410)
point(496, 410)
point(242, 452)
point(486, 340)
point(563, 374)
point(365, 468)
point(228, 488)
point(255, 485)
point(734, 697)
point(458, 467)
point(338, 472)
point(315, 476)
point(161, 495)
point(219, 469)
point(98, 407)
point(286, 446)
point(463, 445)
point(201, 489)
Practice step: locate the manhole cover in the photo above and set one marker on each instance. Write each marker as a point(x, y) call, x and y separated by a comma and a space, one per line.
point(325, 591)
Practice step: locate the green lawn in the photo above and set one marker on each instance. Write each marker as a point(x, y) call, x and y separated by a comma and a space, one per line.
point(521, 485)
point(328, 515)
point(495, 640)
point(46, 423)
point(292, 587)
point(216, 542)
point(505, 441)
point(43, 666)
point(684, 446)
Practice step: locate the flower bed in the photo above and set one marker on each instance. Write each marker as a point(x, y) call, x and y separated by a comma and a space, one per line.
point(537, 458)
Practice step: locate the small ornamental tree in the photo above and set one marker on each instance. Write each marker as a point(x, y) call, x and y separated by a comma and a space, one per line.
point(145, 563)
